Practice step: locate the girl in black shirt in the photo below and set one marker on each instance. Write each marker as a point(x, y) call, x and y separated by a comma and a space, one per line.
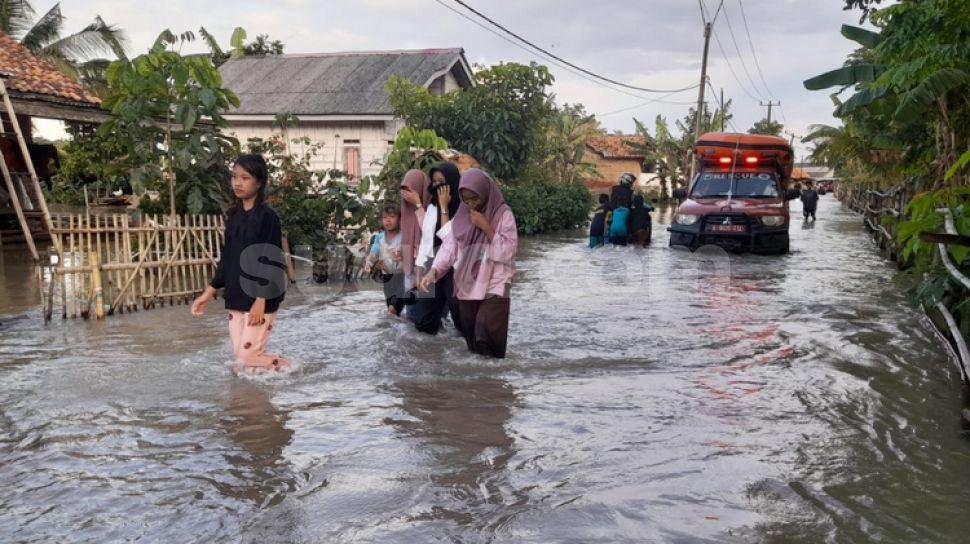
point(251, 269)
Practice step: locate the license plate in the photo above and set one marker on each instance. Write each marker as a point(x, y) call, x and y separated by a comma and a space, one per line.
point(727, 228)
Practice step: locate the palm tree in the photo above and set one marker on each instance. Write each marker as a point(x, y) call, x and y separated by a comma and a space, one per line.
point(73, 54)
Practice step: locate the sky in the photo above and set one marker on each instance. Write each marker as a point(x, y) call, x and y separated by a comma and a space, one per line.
point(655, 44)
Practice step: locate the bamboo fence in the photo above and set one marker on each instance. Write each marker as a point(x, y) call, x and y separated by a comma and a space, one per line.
point(882, 211)
point(109, 263)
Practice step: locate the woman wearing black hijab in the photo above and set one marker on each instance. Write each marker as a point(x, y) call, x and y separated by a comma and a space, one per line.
point(432, 307)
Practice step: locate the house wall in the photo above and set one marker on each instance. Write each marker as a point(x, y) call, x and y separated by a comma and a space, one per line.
point(373, 138)
point(444, 84)
point(612, 169)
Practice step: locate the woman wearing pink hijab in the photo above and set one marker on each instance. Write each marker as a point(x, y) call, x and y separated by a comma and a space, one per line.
point(414, 195)
point(482, 250)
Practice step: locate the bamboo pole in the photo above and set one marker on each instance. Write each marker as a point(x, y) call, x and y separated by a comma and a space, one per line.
point(74, 279)
point(165, 272)
point(205, 250)
point(49, 306)
point(96, 283)
point(141, 256)
point(30, 164)
point(60, 260)
point(156, 283)
point(126, 245)
point(131, 266)
point(115, 279)
point(8, 180)
point(88, 247)
point(290, 273)
point(183, 271)
point(137, 268)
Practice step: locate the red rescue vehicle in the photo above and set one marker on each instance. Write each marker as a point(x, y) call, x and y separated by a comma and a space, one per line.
point(738, 199)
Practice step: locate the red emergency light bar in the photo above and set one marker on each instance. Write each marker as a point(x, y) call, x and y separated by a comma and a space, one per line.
point(729, 160)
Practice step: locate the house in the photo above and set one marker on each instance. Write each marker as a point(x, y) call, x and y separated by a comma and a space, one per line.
point(339, 99)
point(37, 90)
point(613, 156)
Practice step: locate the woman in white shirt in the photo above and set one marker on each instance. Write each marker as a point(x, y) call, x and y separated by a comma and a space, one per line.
point(432, 307)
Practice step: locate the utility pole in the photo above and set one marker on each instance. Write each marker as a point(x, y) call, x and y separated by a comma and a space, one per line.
point(700, 94)
point(701, 87)
point(769, 105)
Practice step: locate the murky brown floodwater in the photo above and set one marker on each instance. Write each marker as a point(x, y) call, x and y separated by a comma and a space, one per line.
point(802, 401)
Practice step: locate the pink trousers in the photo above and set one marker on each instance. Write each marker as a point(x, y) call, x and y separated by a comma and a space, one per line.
point(249, 342)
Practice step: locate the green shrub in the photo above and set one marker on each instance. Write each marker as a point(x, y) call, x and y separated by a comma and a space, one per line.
point(548, 207)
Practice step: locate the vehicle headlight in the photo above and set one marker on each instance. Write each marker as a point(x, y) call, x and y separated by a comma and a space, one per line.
point(773, 220)
point(686, 218)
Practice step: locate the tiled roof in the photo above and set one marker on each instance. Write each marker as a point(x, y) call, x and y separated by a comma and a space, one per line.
point(614, 146)
point(28, 74)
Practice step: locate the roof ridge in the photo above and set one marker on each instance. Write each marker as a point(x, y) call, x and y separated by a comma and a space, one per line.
point(432, 51)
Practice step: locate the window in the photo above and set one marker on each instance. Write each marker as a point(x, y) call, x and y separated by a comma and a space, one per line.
point(740, 185)
point(352, 159)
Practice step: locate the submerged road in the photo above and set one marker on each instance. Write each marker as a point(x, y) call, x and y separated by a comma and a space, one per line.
point(648, 396)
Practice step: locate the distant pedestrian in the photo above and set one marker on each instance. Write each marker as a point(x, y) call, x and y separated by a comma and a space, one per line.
point(252, 251)
point(619, 222)
point(597, 228)
point(809, 200)
point(641, 225)
point(482, 250)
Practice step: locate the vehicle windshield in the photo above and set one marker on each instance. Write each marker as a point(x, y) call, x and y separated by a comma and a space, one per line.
point(740, 185)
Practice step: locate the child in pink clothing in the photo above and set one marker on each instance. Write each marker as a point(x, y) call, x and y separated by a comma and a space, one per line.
point(482, 251)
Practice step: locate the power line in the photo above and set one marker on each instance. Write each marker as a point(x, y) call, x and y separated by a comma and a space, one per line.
point(744, 66)
point(782, 110)
point(731, 68)
point(755, 54)
point(704, 11)
point(638, 106)
point(543, 57)
point(566, 62)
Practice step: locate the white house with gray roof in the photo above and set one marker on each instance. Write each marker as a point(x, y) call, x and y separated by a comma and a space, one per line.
point(339, 99)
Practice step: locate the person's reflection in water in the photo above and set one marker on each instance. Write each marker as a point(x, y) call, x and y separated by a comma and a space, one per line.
point(259, 428)
point(462, 425)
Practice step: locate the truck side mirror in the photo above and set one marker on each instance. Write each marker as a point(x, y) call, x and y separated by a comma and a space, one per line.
point(680, 193)
point(792, 194)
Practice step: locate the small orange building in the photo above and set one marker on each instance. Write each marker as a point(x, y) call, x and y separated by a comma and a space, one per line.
point(613, 155)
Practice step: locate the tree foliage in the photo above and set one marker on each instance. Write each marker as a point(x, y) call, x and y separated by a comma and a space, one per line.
point(909, 113)
point(166, 113)
point(669, 153)
point(567, 131)
point(764, 126)
point(80, 55)
point(908, 119)
point(259, 47)
point(498, 121)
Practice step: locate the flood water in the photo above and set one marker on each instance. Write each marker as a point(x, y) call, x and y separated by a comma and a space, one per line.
point(648, 396)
